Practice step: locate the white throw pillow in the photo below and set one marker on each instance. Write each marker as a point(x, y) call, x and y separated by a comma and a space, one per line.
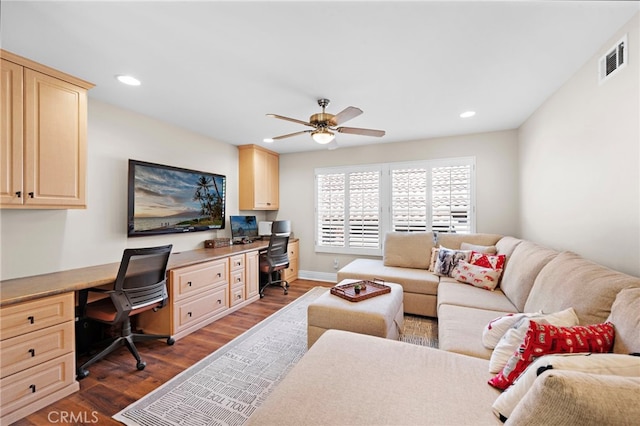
point(497, 327)
point(515, 335)
point(609, 364)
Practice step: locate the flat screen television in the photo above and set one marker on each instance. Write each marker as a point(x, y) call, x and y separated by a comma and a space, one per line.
point(166, 200)
point(243, 227)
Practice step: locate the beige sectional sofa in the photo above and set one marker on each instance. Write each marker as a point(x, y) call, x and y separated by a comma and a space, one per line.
point(348, 378)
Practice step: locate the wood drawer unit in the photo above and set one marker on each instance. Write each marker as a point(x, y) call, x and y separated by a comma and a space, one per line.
point(252, 275)
point(236, 263)
point(237, 294)
point(196, 309)
point(37, 360)
point(193, 280)
point(291, 273)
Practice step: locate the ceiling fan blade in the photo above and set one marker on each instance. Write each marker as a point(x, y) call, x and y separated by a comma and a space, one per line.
point(358, 131)
point(281, 117)
point(291, 134)
point(346, 114)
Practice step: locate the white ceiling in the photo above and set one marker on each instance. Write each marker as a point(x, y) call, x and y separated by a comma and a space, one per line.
point(217, 68)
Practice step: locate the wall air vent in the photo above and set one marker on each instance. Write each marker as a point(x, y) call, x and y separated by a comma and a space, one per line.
point(614, 60)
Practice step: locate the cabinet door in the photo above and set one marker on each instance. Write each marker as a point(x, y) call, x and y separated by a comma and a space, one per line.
point(11, 134)
point(55, 141)
point(267, 181)
point(252, 275)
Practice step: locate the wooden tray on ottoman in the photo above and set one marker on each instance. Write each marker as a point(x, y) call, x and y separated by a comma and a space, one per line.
point(347, 291)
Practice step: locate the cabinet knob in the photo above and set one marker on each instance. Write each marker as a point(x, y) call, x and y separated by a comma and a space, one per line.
point(189, 283)
point(19, 194)
point(31, 319)
point(239, 296)
point(238, 279)
point(31, 195)
point(32, 352)
point(189, 314)
point(219, 302)
point(219, 275)
point(33, 388)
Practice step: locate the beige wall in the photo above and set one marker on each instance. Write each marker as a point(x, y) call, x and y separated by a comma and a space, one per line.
point(496, 174)
point(580, 164)
point(36, 242)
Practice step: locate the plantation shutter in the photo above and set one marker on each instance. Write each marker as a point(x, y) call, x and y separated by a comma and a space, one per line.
point(331, 197)
point(364, 209)
point(409, 199)
point(451, 198)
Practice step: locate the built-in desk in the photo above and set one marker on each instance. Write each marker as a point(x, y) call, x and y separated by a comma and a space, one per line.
point(37, 317)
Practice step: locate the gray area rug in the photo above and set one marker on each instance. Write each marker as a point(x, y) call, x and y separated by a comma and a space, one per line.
point(226, 387)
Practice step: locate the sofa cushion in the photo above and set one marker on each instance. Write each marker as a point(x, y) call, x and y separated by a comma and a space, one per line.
point(573, 397)
point(451, 292)
point(625, 316)
point(572, 281)
point(408, 249)
point(479, 249)
point(521, 270)
point(507, 245)
point(331, 383)
point(460, 329)
point(412, 280)
point(608, 364)
point(453, 241)
point(544, 339)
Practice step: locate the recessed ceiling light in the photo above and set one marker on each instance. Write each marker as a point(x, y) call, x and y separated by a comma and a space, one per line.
point(267, 140)
point(128, 80)
point(467, 114)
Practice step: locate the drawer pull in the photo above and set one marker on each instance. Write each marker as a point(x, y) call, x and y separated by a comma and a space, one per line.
point(219, 275)
point(239, 296)
point(19, 194)
point(33, 388)
point(238, 263)
point(31, 319)
point(32, 352)
point(189, 283)
point(219, 302)
point(31, 194)
point(189, 314)
point(238, 279)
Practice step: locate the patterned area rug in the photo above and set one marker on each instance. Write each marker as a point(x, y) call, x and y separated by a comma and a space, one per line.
point(227, 386)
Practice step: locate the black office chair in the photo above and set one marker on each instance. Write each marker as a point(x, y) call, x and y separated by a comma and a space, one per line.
point(140, 286)
point(276, 259)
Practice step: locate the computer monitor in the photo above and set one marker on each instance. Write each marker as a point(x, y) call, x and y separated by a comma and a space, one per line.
point(243, 227)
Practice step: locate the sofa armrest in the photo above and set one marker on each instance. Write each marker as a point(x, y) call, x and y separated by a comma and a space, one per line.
point(572, 397)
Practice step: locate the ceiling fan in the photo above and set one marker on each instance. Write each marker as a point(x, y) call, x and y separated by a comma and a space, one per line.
point(324, 124)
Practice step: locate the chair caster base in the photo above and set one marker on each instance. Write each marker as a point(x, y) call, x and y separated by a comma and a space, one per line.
point(82, 374)
point(141, 365)
point(171, 341)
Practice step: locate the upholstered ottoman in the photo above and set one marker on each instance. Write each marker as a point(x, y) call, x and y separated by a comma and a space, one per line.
point(381, 316)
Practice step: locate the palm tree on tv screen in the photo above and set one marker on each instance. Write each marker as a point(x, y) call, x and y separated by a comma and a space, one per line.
point(210, 203)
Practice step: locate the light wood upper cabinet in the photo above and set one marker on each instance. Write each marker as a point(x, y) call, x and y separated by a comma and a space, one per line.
point(259, 179)
point(43, 137)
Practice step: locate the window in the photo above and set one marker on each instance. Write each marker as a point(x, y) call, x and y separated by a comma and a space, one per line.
point(356, 205)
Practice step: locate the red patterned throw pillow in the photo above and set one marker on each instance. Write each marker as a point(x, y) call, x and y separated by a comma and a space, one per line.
point(482, 270)
point(493, 261)
point(543, 339)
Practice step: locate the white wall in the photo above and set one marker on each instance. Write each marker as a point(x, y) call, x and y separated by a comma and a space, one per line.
point(496, 173)
point(42, 241)
point(580, 164)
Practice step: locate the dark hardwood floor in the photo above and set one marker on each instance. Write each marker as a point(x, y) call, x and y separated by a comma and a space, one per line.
point(114, 382)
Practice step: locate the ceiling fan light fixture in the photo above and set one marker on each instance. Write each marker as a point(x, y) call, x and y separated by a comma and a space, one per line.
point(322, 136)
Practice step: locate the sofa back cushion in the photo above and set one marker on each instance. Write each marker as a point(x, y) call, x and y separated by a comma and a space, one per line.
point(570, 281)
point(454, 241)
point(408, 249)
point(625, 316)
point(521, 270)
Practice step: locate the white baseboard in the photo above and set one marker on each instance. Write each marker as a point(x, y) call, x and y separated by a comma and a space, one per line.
point(318, 276)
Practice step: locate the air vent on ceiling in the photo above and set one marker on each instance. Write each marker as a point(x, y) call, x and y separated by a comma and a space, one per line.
point(614, 60)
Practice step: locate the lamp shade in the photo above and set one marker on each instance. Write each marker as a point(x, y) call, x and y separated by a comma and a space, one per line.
point(322, 136)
